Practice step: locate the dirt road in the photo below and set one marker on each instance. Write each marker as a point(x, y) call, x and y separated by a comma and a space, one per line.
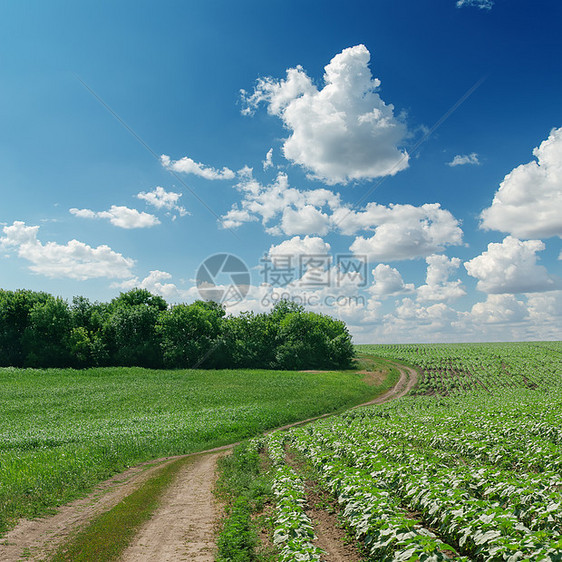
point(182, 527)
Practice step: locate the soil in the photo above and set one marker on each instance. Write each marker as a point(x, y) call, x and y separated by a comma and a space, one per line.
point(182, 527)
point(407, 381)
point(330, 536)
point(37, 539)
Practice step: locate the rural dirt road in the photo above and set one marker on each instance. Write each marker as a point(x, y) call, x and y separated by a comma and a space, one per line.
point(182, 528)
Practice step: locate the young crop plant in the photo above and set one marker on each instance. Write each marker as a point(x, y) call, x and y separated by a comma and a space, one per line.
point(294, 531)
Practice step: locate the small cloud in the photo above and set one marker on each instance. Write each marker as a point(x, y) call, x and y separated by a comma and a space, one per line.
point(123, 217)
point(461, 160)
point(437, 286)
point(188, 166)
point(162, 199)
point(401, 232)
point(157, 283)
point(482, 4)
point(511, 267)
point(388, 282)
point(268, 162)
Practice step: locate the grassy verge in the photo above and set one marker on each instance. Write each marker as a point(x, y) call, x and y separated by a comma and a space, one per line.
point(107, 536)
point(245, 487)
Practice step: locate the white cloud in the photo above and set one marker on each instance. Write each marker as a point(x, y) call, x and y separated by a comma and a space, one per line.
point(413, 322)
point(305, 219)
point(482, 4)
point(510, 267)
point(545, 307)
point(74, 260)
point(188, 166)
point(297, 246)
point(437, 285)
point(268, 162)
point(528, 203)
point(297, 257)
point(292, 211)
point(499, 309)
point(123, 217)
point(388, 282)
point(461, 160)
point(341, 132)
point(162, 199)
point(401, 231)
point(237, 217)
point(155, 282)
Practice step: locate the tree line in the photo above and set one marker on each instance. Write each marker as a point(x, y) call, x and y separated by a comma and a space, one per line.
point(138, 328)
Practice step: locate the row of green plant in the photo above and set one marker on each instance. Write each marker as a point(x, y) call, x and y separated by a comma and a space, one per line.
point(293, 530)
point(63, 430)
point(138, 328)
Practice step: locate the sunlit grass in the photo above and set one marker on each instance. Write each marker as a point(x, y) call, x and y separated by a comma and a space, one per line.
point(62, 431)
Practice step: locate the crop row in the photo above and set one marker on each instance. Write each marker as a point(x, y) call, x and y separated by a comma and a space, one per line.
point(294, 531)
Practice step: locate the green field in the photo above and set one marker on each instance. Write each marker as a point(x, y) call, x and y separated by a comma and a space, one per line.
point(62, 431)
point(468, 467)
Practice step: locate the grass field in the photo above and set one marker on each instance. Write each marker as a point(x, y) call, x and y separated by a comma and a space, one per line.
point(62, 431)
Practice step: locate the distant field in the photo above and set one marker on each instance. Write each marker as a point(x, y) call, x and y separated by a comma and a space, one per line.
point(62, 431)
point(468, 467)
point(448, 369)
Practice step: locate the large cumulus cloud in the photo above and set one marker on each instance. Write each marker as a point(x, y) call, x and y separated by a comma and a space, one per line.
point(341, 132)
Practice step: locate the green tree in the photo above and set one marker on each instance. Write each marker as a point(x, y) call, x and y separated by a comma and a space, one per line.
point(191, 335)
point(129, 330)
point(307, 340)
point(46, 340)
point(250, 340)
point(87, 342)
point(15, 307)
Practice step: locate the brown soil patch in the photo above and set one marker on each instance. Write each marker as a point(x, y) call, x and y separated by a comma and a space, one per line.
point(407, 381)
point(183, 526)
point(330, 536)
point(323, 511)
point(372, 378)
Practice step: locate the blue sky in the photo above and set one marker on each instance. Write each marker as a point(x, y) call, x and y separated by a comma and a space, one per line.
point(457, 226)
